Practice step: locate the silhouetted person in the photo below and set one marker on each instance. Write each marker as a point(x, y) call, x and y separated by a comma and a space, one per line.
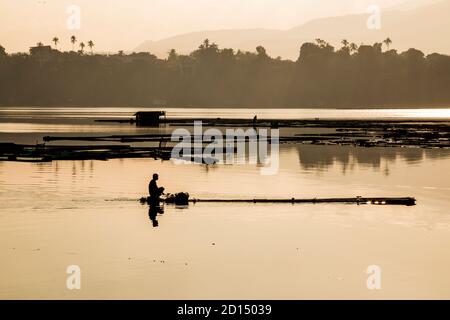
point(153, 189)
point(255, 119)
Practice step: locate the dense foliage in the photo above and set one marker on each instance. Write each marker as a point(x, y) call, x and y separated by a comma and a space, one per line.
point(321, 77)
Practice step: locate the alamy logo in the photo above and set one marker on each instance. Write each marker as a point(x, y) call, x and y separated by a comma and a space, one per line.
point(73, 21)
point(374, 279)
point(374, 20)
point(228, 148)
point(74, 279)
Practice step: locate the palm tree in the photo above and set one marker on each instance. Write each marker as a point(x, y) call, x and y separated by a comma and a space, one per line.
point(345, 43)
point(73, 39)
point(82, 45)
point(387, 42)
point(55, 40)
point(91, 45)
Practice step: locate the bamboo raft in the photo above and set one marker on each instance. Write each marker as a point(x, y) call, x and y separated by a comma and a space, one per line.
point(404, 201)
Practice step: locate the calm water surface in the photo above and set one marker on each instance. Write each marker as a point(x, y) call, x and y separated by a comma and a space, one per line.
point(86, 213)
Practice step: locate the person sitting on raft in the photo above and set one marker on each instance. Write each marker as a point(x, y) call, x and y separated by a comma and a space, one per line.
point(153, 190)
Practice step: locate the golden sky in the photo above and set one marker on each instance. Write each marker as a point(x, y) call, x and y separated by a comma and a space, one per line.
point(123, 24)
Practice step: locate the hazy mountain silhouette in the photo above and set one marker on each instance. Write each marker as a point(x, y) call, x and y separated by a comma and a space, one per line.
point(414, 24)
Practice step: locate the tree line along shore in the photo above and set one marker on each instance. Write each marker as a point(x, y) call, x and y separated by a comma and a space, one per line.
point(351, 76)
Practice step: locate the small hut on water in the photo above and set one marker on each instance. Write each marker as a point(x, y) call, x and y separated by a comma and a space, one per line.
point(149, 118)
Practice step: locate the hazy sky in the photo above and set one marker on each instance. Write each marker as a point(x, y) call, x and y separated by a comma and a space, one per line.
point(123, 24)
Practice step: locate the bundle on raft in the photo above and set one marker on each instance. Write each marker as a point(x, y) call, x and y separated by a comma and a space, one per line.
point(182, 198)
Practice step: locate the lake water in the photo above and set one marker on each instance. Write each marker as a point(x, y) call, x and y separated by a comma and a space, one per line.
point(86, 213)
point(35, 114)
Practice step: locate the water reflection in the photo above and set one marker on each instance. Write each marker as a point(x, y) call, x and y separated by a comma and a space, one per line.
point(153, 211)
point(322, 158)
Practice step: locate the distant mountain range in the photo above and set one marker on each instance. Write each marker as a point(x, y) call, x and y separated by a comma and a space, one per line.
point(418, 25)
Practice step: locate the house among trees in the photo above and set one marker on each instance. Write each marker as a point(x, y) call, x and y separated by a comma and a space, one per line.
point(43, 53)
point(40, 49)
